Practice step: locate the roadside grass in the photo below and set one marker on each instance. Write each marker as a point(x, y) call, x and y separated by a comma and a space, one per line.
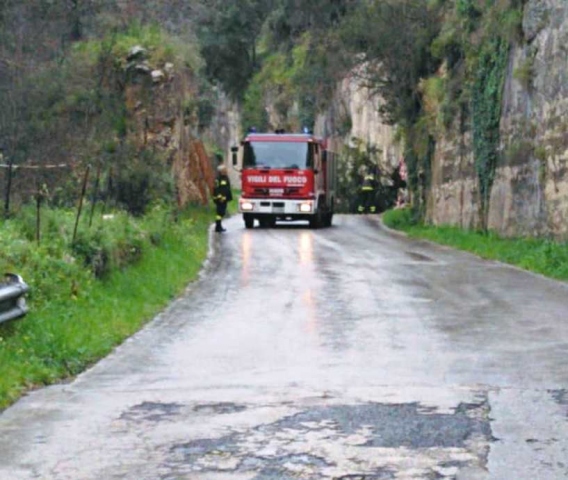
point(77, 318)
point(541, 256)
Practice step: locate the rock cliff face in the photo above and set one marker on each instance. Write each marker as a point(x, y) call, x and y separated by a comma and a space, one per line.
point(530, 191)
point(354, 114)
point(157, 99)
point(225, 131)
point(534, 177)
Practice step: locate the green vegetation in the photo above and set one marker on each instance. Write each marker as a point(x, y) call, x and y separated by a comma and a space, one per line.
point(541, 256)
point(474, 44)
point(486, 116)
point(524, 73)
point(160, 45)
point(228, 33)
point(299, 58)
point(356, 158)
point(87, 299)
point(85, 102)
point(437, 66)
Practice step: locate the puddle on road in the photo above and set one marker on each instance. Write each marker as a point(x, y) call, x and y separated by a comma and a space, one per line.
point(152, 412)
point(561, 398)
point(420, 257)
point(159, 412)
point(219, 408)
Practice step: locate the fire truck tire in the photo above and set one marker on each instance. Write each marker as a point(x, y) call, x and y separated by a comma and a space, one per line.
point(249, 221)
point(328, 218)
point(317, 220)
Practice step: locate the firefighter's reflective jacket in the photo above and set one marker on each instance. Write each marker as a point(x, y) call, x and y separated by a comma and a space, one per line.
point(222, 191)
point(369, 183)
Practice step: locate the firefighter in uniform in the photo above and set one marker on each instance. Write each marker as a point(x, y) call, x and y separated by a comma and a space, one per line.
point(221, 195)
point(367, 193)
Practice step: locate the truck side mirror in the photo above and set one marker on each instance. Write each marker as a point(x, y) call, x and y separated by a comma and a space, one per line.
point(234, 152)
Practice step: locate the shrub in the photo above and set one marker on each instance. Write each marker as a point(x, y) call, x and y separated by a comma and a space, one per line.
point(400, 219)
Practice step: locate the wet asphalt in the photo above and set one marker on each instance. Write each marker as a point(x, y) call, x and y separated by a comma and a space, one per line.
point(343, 353)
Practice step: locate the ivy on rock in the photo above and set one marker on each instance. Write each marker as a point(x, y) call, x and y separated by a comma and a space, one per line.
point(487, 92)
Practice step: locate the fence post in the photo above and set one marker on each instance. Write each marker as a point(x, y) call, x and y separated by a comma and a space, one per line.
point(95, 194)
point(83, 190)
point(8, 188)
point(38, 218)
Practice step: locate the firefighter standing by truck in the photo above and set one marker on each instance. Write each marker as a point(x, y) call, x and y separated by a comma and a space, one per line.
point(367, 193)
point(221, 196)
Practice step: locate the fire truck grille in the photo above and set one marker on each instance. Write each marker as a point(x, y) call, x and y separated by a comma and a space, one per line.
point(272, 204)
point(290, 191)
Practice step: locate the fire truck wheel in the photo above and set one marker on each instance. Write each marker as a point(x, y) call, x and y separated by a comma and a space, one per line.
point(316, 221)
point(249, 221)
point(329, 215)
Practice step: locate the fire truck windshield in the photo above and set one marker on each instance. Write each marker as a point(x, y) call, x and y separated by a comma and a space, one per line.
point(278, 155)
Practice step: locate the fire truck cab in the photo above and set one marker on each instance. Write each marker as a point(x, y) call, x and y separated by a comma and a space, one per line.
point(285, 177)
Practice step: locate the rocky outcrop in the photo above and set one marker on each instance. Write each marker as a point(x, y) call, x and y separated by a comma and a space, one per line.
point(529, 196)
point(157, 98)
point(224, 131)
point(354, 115)
point(453, 196)
point(530, 192)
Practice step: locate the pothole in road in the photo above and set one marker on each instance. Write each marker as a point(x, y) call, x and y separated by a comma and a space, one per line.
point(158, 412)
point(561, 398)
point(383, 476)
point(420, 257)
point(391, 426)
point(152, 412)
point(320, 441)
point(219, 408)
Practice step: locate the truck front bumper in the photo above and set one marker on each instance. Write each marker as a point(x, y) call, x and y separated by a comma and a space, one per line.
point(276, 207)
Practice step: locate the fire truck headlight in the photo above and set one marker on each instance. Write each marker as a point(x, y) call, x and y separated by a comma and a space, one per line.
point(306, 207)
point(247, 206)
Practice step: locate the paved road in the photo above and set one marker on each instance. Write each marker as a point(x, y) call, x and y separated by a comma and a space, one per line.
point(344, 353)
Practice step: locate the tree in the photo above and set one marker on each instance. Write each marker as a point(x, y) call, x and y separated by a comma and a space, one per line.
point(291, 19)
point(390, 42)
point(229, 33)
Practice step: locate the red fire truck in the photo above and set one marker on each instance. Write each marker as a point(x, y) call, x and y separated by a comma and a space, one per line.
point(286, 177)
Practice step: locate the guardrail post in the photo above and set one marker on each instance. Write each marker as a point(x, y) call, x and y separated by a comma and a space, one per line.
point(12, 300)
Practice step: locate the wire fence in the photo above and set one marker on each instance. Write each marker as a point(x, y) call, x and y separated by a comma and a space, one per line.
point(98, 186)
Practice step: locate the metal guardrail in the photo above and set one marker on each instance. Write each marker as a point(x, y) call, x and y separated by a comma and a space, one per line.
point(12, 301)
